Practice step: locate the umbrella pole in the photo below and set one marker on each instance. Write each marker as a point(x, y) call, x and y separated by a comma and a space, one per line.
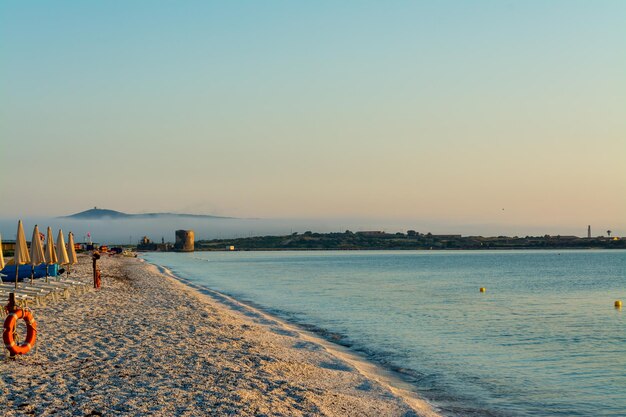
point(17, 267)
point(32, 274)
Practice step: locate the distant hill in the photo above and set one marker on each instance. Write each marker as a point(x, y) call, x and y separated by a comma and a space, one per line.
point(97, 213)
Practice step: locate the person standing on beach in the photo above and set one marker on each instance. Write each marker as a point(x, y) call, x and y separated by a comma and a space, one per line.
point(96, 271)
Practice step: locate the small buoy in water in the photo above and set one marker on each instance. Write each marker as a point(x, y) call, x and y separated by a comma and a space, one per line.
point(618, 304)
point(482, 289)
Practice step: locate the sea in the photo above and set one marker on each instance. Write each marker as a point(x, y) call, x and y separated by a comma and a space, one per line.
point(543, 339)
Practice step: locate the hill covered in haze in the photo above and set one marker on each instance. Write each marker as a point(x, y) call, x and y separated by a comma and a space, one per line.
point(98, 213)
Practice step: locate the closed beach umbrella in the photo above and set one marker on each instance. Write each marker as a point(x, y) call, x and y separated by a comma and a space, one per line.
point(1, 257)
point(51, 255)
point(37, 256)
point(21, 256)
point(21, 248)
point(71, 252)
point(61, 253)
point(71, 249)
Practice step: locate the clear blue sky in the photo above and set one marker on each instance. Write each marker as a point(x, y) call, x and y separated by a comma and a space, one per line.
point(439, 110)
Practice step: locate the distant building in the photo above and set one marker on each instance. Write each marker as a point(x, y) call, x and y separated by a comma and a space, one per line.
point(8, 246)
point(164, 247)
point(145, 244)
point(83, 246)
point(184, 241)
point(589, 232)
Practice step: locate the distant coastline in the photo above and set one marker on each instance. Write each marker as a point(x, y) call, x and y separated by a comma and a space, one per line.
point(357, 240)
point(375, 240)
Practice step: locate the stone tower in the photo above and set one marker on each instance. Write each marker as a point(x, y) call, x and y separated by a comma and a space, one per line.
point(184, 241)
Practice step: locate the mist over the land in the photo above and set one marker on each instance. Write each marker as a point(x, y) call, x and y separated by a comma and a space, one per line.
point(127, 231)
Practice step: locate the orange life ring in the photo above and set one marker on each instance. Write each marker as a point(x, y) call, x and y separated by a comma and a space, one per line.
point(9, 330)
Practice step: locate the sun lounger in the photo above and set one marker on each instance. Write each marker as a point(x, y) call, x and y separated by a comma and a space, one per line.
point(40, 294)
point(63, 290)
point(56, 284)
point(77, 286)
point(23, 298)
point(38, 291)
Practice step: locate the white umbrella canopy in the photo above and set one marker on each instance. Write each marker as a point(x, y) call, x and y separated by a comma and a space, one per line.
point(71, 250)
point(21, 248)
point(37, 256)
point(1, 257)
point(51, 255)
point(61, 253)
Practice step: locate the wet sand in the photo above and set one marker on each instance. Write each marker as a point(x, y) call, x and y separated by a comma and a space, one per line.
point(147, 344)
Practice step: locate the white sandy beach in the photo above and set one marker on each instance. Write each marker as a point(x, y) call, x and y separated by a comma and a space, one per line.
point(146, 344)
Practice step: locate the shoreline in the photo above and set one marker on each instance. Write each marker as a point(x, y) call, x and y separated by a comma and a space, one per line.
point(534, 249)
point(370, 369)
point(149, 344)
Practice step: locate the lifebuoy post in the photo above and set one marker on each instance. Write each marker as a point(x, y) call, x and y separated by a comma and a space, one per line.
point(11, 305)
point(95, 258)
point(16, 313)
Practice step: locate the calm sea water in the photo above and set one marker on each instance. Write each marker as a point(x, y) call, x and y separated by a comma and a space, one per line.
point(543, 340)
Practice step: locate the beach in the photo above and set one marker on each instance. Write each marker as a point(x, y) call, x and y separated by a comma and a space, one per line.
point(147, 344)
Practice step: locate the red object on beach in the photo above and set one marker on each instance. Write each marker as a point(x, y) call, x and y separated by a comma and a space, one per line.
point(8, 335)
point(97, 281)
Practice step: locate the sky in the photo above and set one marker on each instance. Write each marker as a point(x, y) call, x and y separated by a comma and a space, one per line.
point(483, 116)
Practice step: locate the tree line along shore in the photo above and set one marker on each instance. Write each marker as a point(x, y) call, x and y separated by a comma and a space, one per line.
point(383, 241)
point(411, 240)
